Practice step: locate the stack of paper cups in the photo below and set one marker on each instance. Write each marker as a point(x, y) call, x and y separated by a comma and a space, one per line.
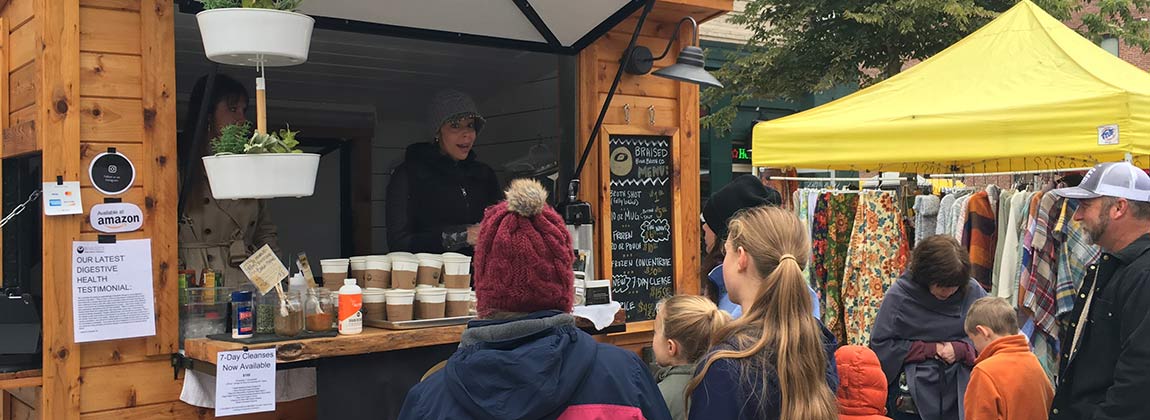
point(456, 271)
point(379, 272)
point(399, 304)
point(374, 304)
point(458, 302)
point(430, 269)
point(334, 272)
point(359, 270)
point(430, 302)
point(403, 270)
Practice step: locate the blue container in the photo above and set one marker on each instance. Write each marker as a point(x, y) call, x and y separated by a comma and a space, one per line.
point(243, 316)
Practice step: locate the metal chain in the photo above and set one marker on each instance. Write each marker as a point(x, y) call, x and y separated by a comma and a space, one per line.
point(19, 209)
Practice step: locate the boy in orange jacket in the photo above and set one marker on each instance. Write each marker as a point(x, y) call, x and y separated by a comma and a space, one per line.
point(1007, 382)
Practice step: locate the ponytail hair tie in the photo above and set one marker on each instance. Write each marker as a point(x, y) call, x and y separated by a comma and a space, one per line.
point(787, 257)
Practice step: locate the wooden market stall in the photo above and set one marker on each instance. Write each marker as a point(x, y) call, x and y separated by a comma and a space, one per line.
point(80, 76)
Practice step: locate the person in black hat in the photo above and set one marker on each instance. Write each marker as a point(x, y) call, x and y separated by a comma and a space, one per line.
point(437, 196)
point(744, 192)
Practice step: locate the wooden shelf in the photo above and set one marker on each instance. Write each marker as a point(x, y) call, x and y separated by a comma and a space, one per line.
point(372, 340)
point(21, 379)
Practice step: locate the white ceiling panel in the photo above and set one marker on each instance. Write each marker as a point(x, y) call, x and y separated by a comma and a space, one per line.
point(569, 20)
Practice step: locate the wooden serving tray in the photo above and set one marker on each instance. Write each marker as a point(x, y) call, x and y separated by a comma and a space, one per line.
point(419, 323)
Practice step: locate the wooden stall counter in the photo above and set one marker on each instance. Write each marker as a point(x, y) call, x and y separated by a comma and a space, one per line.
point(376, 340)
point(371, 340)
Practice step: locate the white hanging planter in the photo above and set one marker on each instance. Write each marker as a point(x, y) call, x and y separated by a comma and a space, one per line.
point(265, 175)
point(245, 36)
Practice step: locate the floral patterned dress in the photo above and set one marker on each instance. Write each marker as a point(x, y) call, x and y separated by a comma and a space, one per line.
point(878, 253)
point(837, 219)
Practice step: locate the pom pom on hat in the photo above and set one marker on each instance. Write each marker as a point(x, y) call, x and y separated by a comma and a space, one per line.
point(523, 257)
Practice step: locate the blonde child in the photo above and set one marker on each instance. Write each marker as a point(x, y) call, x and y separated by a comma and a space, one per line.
point(683, 329)
point(1007, 382)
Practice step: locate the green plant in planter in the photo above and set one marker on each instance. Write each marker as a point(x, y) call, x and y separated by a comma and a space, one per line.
point(288, 5)
point(236, 139)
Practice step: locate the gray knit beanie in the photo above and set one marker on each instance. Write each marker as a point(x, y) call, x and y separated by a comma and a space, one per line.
point(452, 105)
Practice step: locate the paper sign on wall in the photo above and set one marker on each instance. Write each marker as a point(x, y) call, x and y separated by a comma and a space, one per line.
point(112, 290)
point(116, 217)
point(61, 198)
point(245, 382)
point(264, 269)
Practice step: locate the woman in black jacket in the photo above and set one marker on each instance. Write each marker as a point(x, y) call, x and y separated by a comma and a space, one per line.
point(437, 196)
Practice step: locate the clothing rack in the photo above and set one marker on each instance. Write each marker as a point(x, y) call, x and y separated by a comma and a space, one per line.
point(985, 174)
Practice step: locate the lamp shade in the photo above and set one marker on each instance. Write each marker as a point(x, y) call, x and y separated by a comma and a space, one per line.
point(689, 68)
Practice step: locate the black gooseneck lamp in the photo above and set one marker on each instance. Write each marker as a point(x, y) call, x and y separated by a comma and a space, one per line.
point(689, 67)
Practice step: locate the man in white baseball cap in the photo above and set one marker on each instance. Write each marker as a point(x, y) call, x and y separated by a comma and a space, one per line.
point(1105, 357)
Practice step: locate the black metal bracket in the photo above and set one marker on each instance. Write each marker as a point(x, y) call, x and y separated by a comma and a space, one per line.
point(536, 21)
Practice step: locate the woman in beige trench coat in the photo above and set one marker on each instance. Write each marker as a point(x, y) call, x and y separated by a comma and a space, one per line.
point(219, 234)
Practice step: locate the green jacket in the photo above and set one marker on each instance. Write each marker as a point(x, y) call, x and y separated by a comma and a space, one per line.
point(673, 382)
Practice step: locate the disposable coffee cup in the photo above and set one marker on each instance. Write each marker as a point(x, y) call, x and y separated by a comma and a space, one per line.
point(379, 272)
point(474, 304)
point(456, 271)
point(359, 270)
point(430, 303)
point(374, 304)
point(458, 302)
point(430, 269)
point(400, 304)
point(403, 273)
point(334, 272)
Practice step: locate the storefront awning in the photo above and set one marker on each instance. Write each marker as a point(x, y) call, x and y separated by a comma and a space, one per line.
point(1025, 92)
point(559, 26)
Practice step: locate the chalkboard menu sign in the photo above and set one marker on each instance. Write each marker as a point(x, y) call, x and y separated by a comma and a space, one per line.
point(641, 243)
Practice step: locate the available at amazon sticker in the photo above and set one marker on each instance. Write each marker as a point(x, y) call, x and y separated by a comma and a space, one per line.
point(116, 217)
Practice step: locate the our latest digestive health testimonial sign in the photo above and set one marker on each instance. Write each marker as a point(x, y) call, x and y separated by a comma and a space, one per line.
point(112, 290)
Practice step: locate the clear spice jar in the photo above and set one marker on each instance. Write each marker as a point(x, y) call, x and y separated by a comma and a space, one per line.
point(319, 310)
point(289, 315)
point(266, 307)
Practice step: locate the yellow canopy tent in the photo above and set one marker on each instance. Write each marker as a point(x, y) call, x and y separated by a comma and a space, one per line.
point(1024, 92)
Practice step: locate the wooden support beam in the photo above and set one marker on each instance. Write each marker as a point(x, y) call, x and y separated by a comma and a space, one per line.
point(157, 44)
point(57, 41)
point(20, 139)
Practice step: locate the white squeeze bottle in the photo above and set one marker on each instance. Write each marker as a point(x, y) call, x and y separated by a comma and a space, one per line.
point(350, 303)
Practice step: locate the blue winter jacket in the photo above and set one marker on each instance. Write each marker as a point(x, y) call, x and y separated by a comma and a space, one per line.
point(716, 277)
point(723, 394)
point(537, 367)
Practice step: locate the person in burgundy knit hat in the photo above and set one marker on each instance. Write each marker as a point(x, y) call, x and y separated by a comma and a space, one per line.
point(523, 258)
point(524, 358)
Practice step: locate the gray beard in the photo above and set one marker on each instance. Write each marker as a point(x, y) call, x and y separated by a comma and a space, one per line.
point(1096, 233)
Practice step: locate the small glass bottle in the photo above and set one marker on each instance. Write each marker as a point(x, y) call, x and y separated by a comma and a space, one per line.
point(243, 318)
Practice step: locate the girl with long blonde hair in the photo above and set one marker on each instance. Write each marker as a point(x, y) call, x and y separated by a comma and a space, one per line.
point(773, 362)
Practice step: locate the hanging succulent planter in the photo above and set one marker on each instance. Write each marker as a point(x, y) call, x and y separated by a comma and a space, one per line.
point(260, 166)
point(255, 32)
